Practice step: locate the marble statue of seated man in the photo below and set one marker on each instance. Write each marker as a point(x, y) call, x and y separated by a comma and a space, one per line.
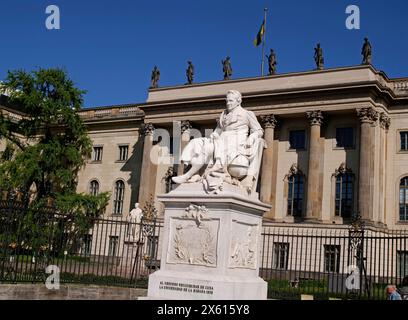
point(233, 152)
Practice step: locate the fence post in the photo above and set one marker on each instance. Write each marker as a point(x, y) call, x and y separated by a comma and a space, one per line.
point(356, 253)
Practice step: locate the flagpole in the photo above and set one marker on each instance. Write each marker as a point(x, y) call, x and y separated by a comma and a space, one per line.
point(263, 44)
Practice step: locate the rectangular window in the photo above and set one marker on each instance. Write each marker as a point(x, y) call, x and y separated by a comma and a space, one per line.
point(344, 195)
point(152, 246)
point(402, 264)
point(403, 199)
point(113, 245)
point(344, 137)
point(97, 154)
point(295, 195)
point(280, 255)
point(123, 153)
point(332, 258)
point(404, 140)
point(87, 245)
point(297, 140)
point(119, 196)
point(151, 261)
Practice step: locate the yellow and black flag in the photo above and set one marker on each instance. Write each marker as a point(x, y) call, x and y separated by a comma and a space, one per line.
point(259, 38)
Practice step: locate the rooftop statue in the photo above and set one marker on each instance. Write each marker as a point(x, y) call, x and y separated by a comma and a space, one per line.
point(366, 51)
point(272, 62)
point(226, 68)
point(232, 154)
point(190, 73)
point(318, 56)
point(155, 77)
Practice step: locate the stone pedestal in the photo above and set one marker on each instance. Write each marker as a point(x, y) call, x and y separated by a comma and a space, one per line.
point(211, 246)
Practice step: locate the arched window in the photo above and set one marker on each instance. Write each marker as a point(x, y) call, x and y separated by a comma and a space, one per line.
point(296, 191)
point(403, 201)
point(119, 195)
point(344, 191)
point(94, 188)
point(344, 195)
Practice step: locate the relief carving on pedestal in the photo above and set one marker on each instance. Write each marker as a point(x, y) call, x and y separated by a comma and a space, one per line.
point(244, 244)
point(193, 238)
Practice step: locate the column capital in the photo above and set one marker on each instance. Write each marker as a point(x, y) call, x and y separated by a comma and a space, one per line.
point(367, 115)
point(185, 126)
point(315, 117)
point(147, 129)
point(385, 121)
point(268, 121)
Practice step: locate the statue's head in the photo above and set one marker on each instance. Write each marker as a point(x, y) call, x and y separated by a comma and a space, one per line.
point(137, 205)
point(234, 99)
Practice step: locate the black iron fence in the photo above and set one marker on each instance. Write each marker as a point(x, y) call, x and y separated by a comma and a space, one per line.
point(345, 263)
point(105, 251)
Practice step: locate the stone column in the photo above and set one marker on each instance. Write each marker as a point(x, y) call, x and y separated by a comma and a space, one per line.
point(385, 122)
point(149, 169)
point(367, 117)
point(266, 174)
point(185, 139)
point(313, 208)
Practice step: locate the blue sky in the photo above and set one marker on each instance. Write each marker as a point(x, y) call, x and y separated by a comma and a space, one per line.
point(110, 47)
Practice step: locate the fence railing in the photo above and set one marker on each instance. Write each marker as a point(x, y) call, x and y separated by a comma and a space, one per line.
point(337, 263)
point(324, 262)
point(106, 251)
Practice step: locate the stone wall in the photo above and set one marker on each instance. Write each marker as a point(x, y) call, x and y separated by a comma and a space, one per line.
point(68, 292)
point(110, 169)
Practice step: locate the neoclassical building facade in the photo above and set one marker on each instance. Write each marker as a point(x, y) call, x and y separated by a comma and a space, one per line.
point(337, 144)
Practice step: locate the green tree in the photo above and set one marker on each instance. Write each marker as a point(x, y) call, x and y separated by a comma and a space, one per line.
point(47, 148)
point(52, 139)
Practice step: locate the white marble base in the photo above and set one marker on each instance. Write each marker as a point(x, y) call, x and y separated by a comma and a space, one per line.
point(190, 286)
point(211, 246)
